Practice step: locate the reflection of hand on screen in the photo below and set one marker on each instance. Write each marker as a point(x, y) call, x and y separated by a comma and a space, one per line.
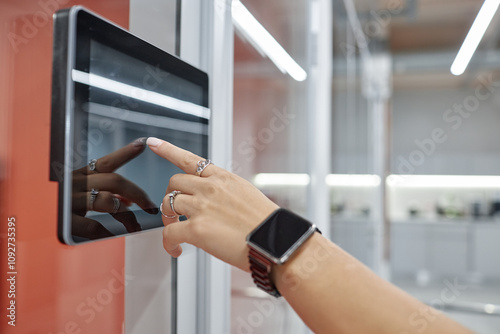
point(97, 187)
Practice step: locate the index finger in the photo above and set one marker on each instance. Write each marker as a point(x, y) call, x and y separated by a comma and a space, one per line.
point(185, 160)
point(111, 162)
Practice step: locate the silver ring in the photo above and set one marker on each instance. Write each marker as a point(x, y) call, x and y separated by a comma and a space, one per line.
point(172, 197)
point(164, 215)
point(116, 206)
point(93, 196)
point(92, 165)
point(202, 164)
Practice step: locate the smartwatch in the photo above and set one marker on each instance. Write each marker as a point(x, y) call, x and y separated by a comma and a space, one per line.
point(273, 242)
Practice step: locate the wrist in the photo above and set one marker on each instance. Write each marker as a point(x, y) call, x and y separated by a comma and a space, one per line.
point(305, 264)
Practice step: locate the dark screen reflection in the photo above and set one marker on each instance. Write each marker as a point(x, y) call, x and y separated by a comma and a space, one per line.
point(121, 102)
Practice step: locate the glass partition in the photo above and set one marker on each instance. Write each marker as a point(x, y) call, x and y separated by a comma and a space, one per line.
point(430, 213)
point(270, 141)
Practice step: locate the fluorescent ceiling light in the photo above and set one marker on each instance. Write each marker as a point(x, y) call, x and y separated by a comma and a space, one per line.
point(335, 180)
point(443, 181)
point(284, 179)
point(474, 36)
point(262, 40)
point(352, 180)
point(140, 94)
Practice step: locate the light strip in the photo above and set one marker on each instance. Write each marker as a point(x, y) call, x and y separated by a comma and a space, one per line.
point(443, 181)
point(148, 119)
point(284, 179)
point(352, 180)
point(140, 94)
point(474, 36)
point(392, 181)
point(264, 42)
point(335, 180)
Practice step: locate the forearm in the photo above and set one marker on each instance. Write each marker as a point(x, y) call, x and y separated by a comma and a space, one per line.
point(334, 293)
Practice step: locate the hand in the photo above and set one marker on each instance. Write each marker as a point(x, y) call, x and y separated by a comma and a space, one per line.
point(222, 208)
point(115, 193)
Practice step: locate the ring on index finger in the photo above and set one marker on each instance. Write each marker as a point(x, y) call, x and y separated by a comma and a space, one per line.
point(202, 164)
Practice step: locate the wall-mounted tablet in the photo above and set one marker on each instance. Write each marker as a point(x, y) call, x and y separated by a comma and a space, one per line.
point(110, 91)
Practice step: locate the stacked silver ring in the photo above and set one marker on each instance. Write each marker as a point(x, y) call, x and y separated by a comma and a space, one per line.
point(93, 196)
point(202, 164)
point(164, 215)
point(116, 206)
point(171, 197)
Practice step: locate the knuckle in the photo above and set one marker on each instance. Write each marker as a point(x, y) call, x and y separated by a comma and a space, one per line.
point(103, 165)
point(116, 179)
point(201, 204)
point(175, 179)
point(106, 196)
point(211, 189)
point(196, 229)
point(189, 161)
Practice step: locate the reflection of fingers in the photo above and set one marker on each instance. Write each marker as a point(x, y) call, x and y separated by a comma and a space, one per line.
point(117, 184)
point(128, 219)
point(104, 202)
point(124, 200)
point(173, 236)
point(80, 202)
point(113, 161)
point(88, 228)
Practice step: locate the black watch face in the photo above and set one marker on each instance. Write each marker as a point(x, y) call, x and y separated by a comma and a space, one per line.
point(279, 233)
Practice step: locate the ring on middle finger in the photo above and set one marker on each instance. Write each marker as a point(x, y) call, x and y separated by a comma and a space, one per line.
point(171, 197)
point(116, 205)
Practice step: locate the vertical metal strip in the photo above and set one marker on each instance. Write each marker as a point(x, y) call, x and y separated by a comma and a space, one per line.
point(217, 57)
point(178, 15)
point(173, 311)
point(174, 264)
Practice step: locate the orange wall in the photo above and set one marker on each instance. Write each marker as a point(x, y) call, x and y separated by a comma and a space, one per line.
point(58, 289)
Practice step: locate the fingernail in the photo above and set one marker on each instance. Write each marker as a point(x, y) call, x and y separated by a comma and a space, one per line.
point(140, 141)
point(154, 142)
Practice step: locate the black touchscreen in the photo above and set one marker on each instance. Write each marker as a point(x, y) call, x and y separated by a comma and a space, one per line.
point(123, 90)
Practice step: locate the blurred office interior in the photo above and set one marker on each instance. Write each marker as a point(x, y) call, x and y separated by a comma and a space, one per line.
point(412, 150)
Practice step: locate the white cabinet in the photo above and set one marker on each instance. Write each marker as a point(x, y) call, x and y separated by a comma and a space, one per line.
point(439, 248)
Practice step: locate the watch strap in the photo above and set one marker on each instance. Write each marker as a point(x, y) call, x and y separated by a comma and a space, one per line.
point(261, 267)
